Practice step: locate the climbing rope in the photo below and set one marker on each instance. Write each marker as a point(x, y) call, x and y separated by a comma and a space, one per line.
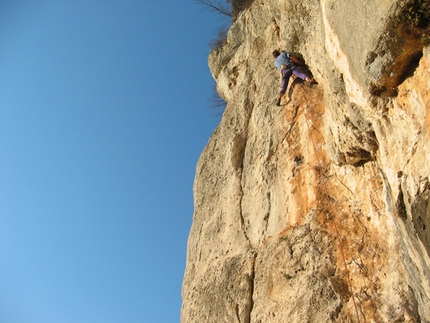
point(338, 236)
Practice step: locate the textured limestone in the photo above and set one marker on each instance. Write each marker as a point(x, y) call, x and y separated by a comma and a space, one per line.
point(317, 210)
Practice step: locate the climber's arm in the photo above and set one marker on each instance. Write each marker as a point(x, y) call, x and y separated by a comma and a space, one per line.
point(296, 60)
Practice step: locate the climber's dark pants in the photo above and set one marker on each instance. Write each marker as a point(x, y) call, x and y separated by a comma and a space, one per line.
point(286, 77)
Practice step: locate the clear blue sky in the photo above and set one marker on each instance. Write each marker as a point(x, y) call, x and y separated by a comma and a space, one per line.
point(104, 112)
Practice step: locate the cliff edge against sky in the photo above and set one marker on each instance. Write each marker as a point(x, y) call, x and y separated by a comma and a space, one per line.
point(317, 210)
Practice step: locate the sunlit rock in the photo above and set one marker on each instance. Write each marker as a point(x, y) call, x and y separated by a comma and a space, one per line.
point(316, 210)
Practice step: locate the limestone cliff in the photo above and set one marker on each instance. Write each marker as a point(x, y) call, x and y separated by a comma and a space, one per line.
point(316, 210)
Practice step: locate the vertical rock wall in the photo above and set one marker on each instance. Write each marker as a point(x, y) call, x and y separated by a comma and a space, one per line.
point(317, 210)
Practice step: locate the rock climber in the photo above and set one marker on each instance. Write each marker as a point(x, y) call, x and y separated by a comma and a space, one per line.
point(289, 65)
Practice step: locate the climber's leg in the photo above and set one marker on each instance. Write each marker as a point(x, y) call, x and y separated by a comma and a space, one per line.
point(302, 74)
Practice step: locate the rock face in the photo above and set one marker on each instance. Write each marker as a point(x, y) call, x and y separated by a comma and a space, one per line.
point(317, 210)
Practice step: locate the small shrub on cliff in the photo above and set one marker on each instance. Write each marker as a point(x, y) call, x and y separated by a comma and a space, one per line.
point(221, 38)
point(416, 18)
point(217, 102)
point(237, 6)
point(217, 6)
point(230, 8)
